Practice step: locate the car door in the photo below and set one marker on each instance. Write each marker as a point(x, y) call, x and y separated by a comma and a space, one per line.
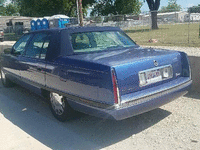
point(33, 60)
point(11, 61)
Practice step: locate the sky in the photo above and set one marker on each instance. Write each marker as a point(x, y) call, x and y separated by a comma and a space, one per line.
point(184, 4)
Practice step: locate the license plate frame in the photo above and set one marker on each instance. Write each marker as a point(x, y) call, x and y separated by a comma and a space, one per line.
point(154, 75)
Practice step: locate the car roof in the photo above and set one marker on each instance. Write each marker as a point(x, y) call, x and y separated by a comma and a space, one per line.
point(80, 29)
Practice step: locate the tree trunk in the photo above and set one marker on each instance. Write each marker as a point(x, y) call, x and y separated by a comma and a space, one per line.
point(80, 12)
point(154, 24)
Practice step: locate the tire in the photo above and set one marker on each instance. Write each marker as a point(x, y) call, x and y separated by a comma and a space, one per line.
point(5, 81)
point(60, 108)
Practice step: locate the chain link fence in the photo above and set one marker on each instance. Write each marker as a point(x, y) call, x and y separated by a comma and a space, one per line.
point(174, 28)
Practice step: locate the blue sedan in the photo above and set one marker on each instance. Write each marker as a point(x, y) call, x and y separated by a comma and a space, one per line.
point(99, 71)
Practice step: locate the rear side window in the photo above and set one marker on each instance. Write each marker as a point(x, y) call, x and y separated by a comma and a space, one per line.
point(38, 46)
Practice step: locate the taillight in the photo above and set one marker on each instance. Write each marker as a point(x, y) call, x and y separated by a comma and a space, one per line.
point(115, 88)
point(186, 72)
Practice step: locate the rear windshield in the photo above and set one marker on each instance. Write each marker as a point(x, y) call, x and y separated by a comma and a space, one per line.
point(99, 41)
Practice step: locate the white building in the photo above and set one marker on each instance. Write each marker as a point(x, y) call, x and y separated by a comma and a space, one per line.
point(170, 17)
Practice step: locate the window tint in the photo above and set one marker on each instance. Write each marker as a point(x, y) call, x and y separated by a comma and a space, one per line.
point(38, 46)
point(20, 45)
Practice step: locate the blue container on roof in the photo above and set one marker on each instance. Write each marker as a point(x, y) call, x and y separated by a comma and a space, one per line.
point(39, 24)
point(58, 21)
point(45, 23)
point(62, 22)
point(33, 25)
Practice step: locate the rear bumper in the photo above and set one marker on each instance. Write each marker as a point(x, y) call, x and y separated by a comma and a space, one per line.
point(134, 107)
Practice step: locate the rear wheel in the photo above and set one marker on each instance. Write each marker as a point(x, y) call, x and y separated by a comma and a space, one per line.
point(60, 107)
point(5, 81)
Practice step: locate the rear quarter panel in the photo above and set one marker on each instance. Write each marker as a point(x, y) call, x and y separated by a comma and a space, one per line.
point(82, 79)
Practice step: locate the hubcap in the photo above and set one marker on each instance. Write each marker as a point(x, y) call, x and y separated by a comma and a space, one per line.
point(57, 103)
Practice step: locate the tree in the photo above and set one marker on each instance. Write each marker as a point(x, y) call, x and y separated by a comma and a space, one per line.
point(106, 7)
point(2, 2)
point(2, 8)
point(103, 8)
point(194, 9)
point(171, 7)
point(40, 8)
point(9, 10)
point(128, 6)
point(2, 11)
point(153, 6)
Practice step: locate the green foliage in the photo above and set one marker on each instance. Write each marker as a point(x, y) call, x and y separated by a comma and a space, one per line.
point(115, 7)
point(103, 8)
point(40, 8)
point(2, 2)
point(9, 10)
point(171, 7)
point(194, 9)
point(128, 6)
point(2, 11)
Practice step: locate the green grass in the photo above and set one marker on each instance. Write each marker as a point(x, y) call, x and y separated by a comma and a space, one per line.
point(167, 35)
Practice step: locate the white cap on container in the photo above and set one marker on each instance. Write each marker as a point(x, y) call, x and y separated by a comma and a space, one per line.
point(59, 16)
point(35, 19)
point(47, 17)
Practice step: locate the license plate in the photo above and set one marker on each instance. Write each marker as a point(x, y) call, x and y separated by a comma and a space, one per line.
point(153, 76)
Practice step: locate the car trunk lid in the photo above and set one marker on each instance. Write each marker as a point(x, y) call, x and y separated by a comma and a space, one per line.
point(129, 62)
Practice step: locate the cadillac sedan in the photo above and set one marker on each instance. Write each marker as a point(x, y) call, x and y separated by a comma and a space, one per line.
point(99, 71)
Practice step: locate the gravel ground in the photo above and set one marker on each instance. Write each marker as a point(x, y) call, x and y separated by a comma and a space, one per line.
point(26, 123)
point(179, 130)
point(192, 51)
point(7, 43)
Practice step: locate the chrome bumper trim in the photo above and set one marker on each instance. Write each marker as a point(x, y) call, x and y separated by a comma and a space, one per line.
point(147, 98)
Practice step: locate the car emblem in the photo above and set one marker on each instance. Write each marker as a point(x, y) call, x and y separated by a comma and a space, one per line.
point(155, 63)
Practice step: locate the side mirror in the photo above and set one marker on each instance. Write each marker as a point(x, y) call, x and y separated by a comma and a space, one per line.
point(7, 51)
point(16, 53)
